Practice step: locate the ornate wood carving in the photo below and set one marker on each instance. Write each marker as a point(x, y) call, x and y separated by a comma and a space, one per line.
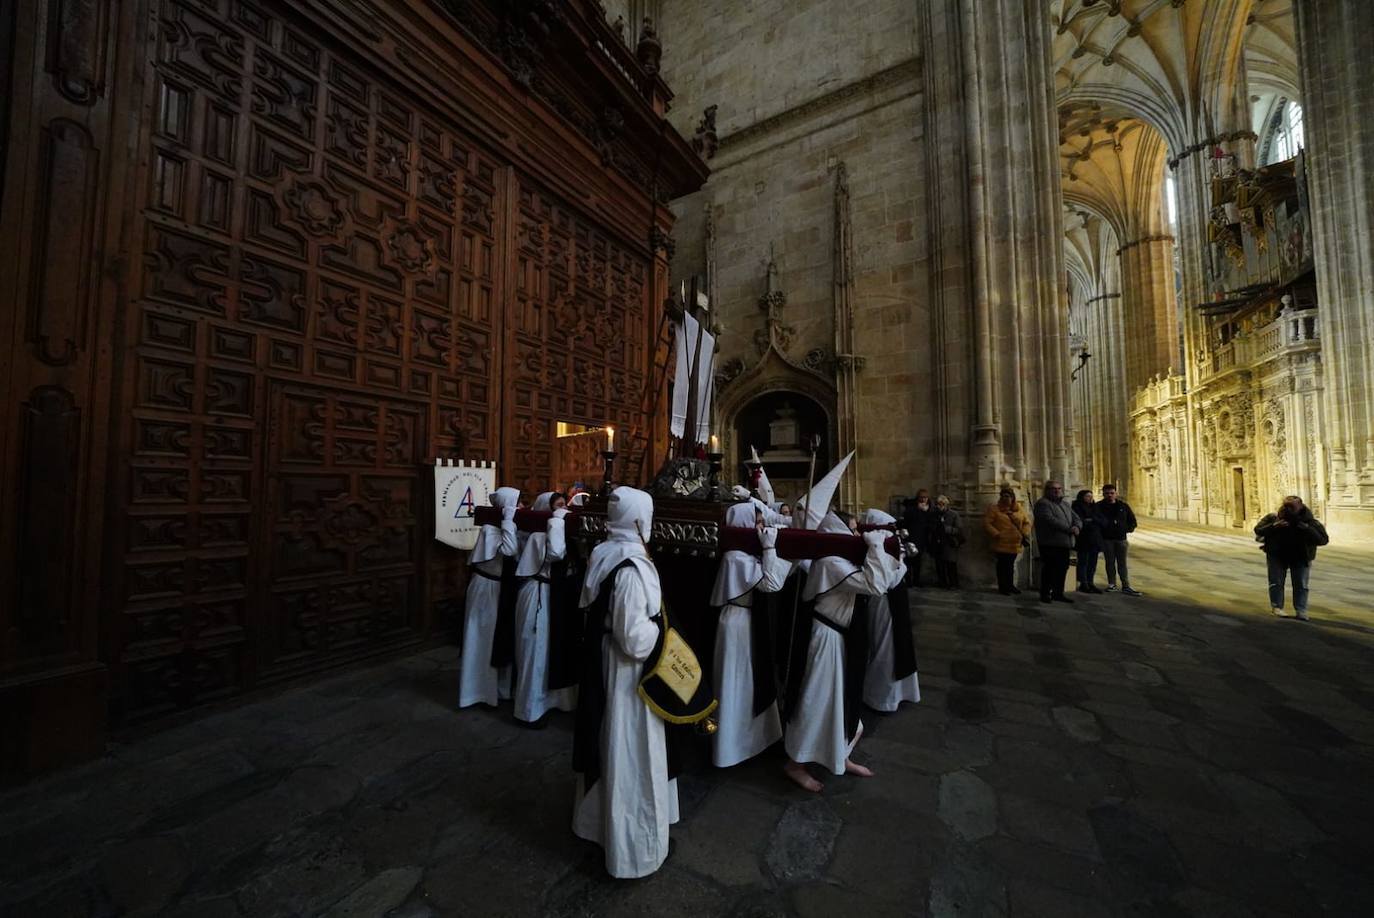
point(333, 249)
point(76, 47)
point(59, 296)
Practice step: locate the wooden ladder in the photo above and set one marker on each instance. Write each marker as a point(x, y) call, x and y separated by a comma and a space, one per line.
point(639, 440)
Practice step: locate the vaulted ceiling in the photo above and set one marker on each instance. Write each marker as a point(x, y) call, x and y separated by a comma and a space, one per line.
point(1138, 82)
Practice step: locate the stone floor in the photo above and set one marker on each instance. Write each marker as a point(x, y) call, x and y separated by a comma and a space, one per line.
point(1184, 753)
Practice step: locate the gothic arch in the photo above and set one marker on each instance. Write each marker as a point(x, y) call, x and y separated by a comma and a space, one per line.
point(773, 372)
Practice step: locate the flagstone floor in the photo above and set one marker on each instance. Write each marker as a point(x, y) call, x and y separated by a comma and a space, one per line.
point(1179, 754)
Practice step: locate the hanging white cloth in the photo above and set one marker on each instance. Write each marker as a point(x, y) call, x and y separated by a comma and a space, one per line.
point(684, 347)
point(816, 733)
point(542, 549)
point(704, 383)
point(629, 809)
point(478, 680)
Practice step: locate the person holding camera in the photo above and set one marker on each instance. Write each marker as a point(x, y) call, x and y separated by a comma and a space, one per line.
point(1290, 538)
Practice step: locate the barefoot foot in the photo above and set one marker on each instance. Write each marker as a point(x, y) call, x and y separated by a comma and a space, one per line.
point(853, 768)
point(798, 773)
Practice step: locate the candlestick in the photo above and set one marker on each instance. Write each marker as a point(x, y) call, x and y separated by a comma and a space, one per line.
point(715, 459)
point(608, 456)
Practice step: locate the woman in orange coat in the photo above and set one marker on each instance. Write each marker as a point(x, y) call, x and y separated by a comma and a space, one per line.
point(1008, 527)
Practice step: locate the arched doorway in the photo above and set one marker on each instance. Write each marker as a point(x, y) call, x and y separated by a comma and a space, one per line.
point(780, 425)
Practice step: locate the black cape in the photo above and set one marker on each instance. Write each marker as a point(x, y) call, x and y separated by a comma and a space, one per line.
point(591, 693)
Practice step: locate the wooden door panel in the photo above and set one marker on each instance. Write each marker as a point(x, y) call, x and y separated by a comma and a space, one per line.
point(317, 314)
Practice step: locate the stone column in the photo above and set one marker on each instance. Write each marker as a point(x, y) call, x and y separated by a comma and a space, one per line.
point(996, 266)
point(1150, 307)
point(1337, 71)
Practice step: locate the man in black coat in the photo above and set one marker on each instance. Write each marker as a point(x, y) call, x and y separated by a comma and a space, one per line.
point(919, 518)
point(1116, 521)
point(1290, 538)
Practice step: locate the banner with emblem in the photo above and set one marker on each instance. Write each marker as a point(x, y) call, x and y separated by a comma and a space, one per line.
point(460, 486)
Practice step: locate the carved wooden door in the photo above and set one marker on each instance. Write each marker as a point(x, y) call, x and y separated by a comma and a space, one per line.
point(576, 342)
point(317, 314)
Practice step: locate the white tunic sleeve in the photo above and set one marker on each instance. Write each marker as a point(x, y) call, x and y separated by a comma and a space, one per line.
point(510, 539)
point(635, 635)
point(775, 571)
point(556, 545)
point(872, 578)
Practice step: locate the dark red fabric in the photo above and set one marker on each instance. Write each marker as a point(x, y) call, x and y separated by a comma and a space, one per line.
point(802, 544)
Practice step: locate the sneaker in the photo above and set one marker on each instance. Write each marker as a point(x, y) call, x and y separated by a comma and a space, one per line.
point(1130, 592)
point(1111, 588)
point(1093, 589)
point(1015, 591)
point(1279, 612)
point(1302, 616)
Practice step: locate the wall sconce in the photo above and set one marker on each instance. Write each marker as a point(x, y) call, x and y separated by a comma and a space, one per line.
point(1083, 356)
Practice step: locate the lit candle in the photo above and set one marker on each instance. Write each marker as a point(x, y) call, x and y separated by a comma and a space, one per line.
point(715, 444)
point(610, 439)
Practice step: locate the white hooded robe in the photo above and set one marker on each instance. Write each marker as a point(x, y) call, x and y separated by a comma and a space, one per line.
point(542, 549)
point(478, 680)
point(815, 731)
point(628, 810)
point(881, 691)
point(741, 734)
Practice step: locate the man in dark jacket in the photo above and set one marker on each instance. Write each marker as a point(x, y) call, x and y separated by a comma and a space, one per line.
point(1290, 538)
point(919, 518)
point(1056, 526)
point(1116, 521)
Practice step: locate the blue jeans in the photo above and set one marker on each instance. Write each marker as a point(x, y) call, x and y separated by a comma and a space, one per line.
point(1278, 572)
point(1087, 565)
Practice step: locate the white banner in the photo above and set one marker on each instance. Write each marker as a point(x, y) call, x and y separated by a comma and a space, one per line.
point(705, 382)
point(684, 343)
point(459, 487)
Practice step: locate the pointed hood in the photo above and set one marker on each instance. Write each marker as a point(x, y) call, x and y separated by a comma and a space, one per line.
point(817, 500)
point(765, 487)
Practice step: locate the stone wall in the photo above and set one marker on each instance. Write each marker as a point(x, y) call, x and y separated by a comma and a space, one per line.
point(803, 88)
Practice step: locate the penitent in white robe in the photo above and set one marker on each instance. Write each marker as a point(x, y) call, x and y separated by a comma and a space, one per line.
point(478, 680)
point(741, 734)
point(629, 809)
point(815, 732)
point(532, 695)
point(881, 691)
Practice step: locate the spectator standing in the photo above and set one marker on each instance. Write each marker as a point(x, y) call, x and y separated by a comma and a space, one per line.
point(919, 518)
point(1089, 544)
point(946, 536)
point(1117, 521)
point(1290, 538)
point(1056, 527)
point(1008, 528)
